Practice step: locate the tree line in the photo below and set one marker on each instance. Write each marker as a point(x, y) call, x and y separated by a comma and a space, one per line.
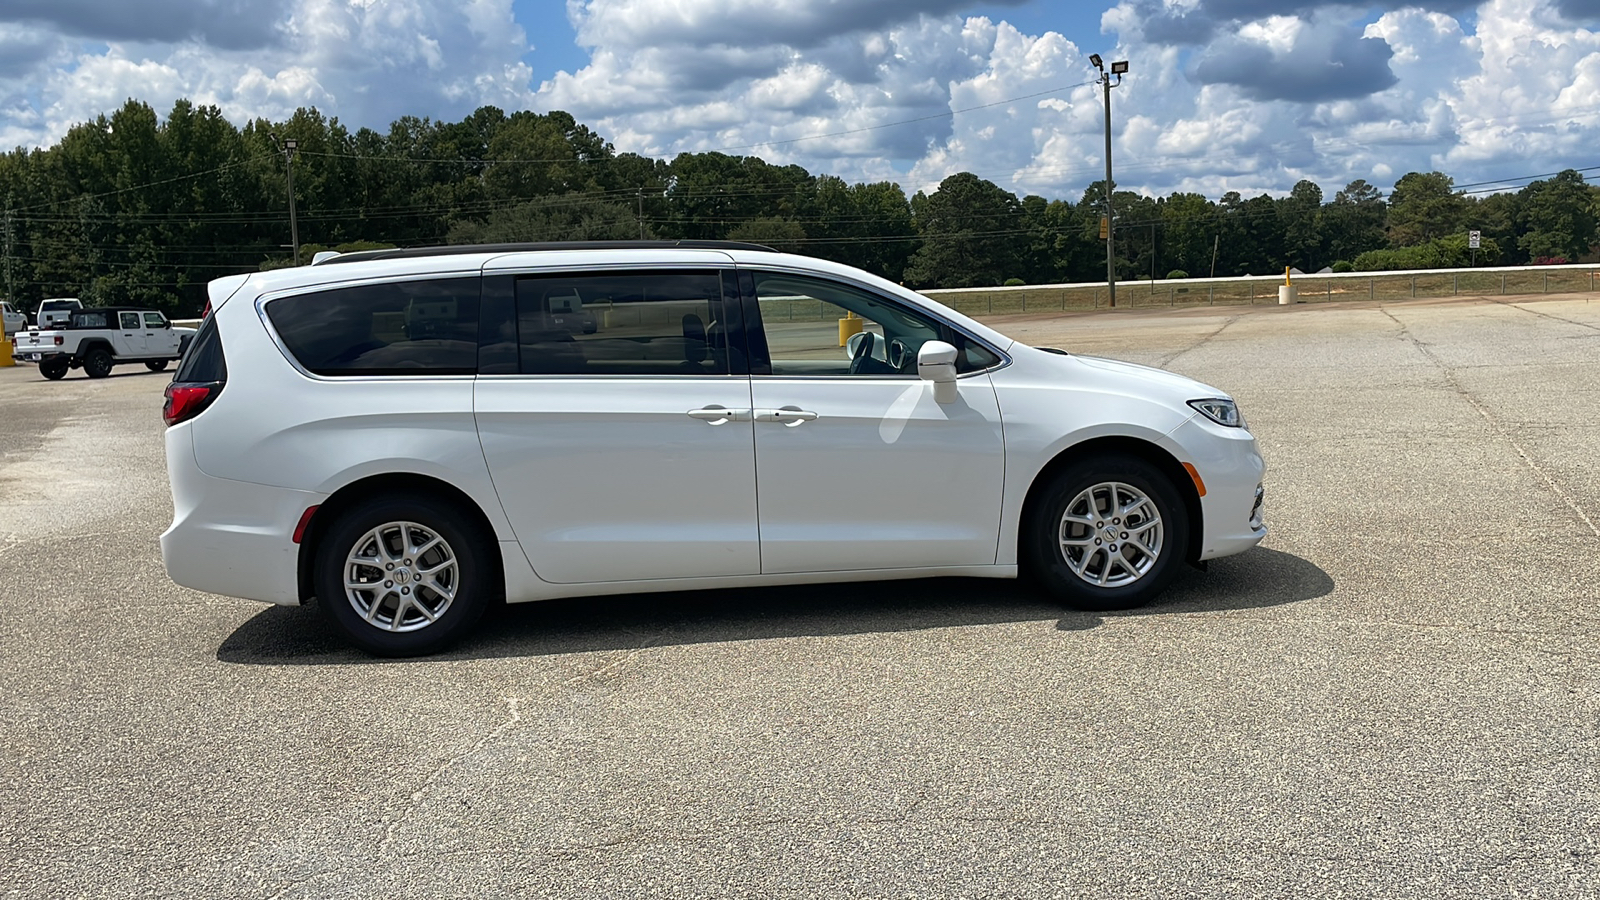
point(133, 208)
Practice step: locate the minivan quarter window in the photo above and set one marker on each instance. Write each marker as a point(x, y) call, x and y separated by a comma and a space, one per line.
point(398, 328)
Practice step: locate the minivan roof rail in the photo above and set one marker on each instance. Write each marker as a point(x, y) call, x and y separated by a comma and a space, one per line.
point(414, 252)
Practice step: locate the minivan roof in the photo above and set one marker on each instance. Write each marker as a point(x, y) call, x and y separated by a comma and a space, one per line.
point(414, 252)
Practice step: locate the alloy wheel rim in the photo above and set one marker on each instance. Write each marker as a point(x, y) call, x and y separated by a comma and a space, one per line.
point(1111, 534)
point(401, 576)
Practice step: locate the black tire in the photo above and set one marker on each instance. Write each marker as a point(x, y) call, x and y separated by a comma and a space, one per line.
point(55, 369)
point(472, 578)
point(156, 365)
point(1055, 566)
point(97, 364)
point(183, 344)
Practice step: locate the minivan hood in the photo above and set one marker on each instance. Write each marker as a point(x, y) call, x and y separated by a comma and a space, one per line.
point(1170, 383)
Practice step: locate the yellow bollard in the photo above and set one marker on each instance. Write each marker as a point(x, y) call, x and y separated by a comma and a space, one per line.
point(849, 325)
point(1287, 292)
point(6, 349)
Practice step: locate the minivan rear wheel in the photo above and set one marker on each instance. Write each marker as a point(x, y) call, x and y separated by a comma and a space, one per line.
point(402, 576)
point(1107, 533)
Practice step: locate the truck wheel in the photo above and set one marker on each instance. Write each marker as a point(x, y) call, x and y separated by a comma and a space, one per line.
point(156, 365)
point(98, 363)
point(55, 369)
point(403, 576)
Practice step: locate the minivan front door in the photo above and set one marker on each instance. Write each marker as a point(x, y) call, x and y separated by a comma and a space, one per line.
point(625, 453)
point(859, 468)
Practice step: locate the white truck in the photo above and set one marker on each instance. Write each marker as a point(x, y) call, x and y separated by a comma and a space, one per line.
point(55, 311)
point(14, 320)
point(98, 338)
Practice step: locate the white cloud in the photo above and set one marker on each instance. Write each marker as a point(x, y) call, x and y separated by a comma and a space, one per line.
point(365, 61)
point(1245, 95)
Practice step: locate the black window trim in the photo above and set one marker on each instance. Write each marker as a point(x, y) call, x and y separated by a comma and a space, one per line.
point(732, 307)
point(760, 357)
point(262, 301)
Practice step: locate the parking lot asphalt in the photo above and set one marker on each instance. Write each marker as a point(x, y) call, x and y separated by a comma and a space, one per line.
point(1397, 695)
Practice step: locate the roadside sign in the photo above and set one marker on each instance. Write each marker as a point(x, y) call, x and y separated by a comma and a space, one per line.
point(1474, 239)
point(1105, 228)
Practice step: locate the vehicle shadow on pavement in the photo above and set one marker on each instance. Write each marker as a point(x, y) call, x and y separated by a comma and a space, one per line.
point(1260, 578)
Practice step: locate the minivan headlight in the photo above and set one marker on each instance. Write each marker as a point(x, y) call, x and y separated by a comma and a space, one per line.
point(1220, 410)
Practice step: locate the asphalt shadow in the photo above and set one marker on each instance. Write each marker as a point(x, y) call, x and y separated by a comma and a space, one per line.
point(288, 635)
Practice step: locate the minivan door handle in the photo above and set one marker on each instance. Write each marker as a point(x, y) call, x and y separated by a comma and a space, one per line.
point(718, 415)
point(789, 415)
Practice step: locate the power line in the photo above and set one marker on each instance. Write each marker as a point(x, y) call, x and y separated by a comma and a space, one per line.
point(138, 187)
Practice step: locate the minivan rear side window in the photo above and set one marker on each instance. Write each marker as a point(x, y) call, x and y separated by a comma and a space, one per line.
point(622, 323)
point(203, 363)
point(397, 328)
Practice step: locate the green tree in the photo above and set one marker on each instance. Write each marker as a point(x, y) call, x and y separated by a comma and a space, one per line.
point(1188, 221)
point(1557, 217)
point(1447, 252)
point(1303, 241)
point(1354, 222)
point(1423, 208)
point(572, 217)
point(863, 225)
point(783, 235)
point(1496, 216)
point(970, 230)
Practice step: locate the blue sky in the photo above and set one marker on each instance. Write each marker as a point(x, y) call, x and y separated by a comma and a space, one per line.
point(557, 41)
point(1225, 95)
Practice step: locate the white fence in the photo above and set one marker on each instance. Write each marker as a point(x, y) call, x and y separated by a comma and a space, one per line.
point(1392, 285)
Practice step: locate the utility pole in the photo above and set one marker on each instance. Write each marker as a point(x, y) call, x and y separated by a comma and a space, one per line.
point(289, 146)
point(1118, 69)
point(641, 214)
point(11, 291)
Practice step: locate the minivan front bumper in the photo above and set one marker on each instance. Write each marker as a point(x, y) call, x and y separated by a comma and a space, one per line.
point(1232, 468)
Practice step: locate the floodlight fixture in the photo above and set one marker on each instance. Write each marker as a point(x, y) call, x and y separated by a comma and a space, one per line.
point(291, 144)
point(1119, 68)
point(1094, 60)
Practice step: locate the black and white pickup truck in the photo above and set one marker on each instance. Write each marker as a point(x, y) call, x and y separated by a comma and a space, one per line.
point(98, 338)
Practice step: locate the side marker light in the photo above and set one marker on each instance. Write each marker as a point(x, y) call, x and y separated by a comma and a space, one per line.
point(305, 522)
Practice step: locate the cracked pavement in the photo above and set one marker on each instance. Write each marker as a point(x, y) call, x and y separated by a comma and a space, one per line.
point(1398, 694)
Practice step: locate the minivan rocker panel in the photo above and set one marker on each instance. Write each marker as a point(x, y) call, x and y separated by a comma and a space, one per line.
point(417, 435)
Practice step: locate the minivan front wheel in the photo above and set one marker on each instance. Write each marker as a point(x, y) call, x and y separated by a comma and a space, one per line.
point(402, 577)
point(1107, 533)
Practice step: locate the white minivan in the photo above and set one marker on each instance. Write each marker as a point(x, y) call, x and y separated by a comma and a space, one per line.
point(409, 435)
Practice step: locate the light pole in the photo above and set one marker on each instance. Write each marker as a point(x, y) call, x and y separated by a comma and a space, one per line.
point(290, 145)
point(1118, 69)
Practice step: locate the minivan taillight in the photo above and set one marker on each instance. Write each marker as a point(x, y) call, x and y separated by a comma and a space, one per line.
point(185, 401)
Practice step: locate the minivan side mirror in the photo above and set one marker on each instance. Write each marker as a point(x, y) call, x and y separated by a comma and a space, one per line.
point(936, 362)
